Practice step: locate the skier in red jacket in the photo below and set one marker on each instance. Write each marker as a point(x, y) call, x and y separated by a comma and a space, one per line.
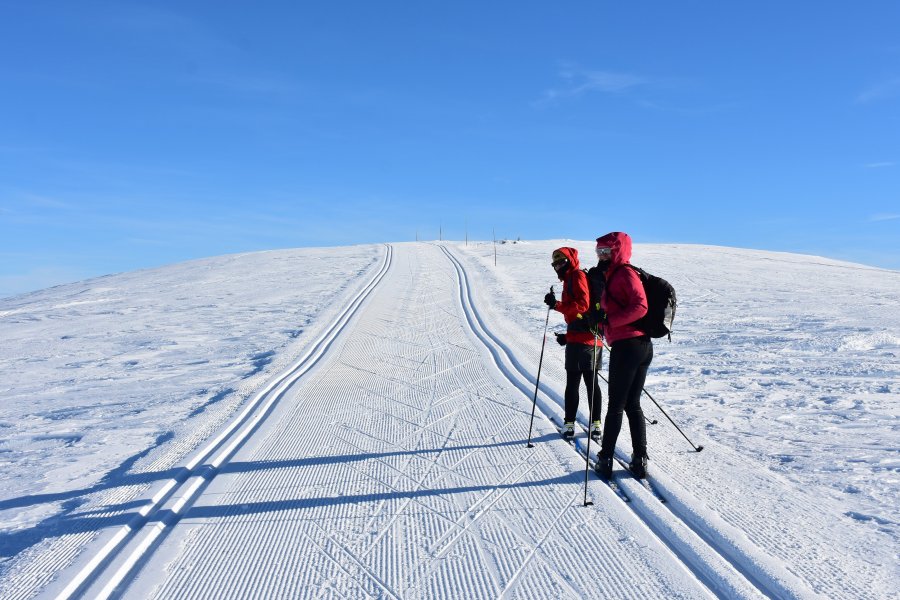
point(581, 357)
point(624, 302)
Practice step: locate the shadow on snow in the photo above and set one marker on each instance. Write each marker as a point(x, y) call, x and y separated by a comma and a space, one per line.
point(70, 520)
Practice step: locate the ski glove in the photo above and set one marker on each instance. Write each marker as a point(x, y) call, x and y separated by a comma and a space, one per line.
point(561, 339)
point(550, 299)
point(602, 317)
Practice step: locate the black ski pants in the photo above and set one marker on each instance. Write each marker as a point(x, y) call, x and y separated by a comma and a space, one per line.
point(628, 363)
point(579, 367)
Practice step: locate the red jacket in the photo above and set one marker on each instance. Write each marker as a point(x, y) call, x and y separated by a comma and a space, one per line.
point(628, 302)
point(575, 301)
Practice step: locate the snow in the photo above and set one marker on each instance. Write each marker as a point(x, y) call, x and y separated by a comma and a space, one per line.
point(351, 422)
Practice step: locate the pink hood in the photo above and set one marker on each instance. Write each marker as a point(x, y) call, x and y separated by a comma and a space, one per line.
point(628, 302)
point(621, 248)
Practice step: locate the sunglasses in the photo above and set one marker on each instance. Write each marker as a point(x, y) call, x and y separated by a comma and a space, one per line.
point(558, 263)
point(604, 252)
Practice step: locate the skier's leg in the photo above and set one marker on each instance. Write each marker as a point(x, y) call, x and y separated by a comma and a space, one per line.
point(598, 394)
point(573, 380)
point(636, 423)
point(623, 364)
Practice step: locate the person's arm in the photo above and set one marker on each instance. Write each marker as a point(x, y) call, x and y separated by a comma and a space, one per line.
point(578, 298)
point(628, 298)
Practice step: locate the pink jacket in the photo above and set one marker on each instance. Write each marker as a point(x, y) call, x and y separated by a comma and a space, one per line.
point(624, 300)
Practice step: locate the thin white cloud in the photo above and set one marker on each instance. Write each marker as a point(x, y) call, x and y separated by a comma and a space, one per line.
point(27, 203)
point(578, 81)
point(880, 91)
point(214, 57)
point(250, 84)
point(40, 201)
point(884, 217)
point(583, 80)
point(690, 111)
point(165, 28)
point(880, 165)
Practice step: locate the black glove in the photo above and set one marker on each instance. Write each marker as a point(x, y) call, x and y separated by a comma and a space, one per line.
point(550, 299)
point(561, 339)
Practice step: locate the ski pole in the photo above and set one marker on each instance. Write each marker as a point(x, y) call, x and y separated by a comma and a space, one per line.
point(538, 382)
point(587, 454)
point(696, 448)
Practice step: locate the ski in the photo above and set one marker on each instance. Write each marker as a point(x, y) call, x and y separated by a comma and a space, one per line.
point(612, 482)
point(645, 482)
point(578, 444)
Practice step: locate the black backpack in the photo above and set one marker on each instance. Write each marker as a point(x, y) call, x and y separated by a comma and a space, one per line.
point(661, 304)
point(596, 279)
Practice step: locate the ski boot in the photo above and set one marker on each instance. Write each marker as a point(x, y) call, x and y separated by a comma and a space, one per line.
point(638, 466)
point(596, 431)
point(568, 430)
point(603, 466)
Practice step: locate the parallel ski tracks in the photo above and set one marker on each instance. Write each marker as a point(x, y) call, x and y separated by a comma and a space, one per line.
point(718, 566)
point(146, 528)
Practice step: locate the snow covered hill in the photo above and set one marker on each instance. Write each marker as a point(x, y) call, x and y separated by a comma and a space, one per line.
point(351, 422)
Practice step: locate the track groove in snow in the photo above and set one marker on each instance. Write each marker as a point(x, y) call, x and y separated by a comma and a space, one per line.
point(777, 533)
point(712, 563)
point(198, 473)
point(398, 469)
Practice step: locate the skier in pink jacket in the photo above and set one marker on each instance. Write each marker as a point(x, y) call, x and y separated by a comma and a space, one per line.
point(624, 302)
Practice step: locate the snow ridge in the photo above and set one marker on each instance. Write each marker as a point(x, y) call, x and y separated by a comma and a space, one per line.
point(386, 457)
point(421, 489)
point(198, 473)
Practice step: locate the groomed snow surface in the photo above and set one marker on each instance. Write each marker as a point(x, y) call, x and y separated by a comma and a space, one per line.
point(352, 423)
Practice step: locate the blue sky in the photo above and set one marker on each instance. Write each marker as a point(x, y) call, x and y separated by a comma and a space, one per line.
point(139, 134)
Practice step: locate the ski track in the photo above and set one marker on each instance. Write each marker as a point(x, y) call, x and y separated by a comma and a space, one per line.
point(122, 357)
point(396, 469)
point(708, 561)
point(151, 520)
point(774, 540)
point(388, 462)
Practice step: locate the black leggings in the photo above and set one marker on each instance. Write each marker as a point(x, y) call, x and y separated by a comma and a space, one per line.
point(579, 360)
point(628, 364)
